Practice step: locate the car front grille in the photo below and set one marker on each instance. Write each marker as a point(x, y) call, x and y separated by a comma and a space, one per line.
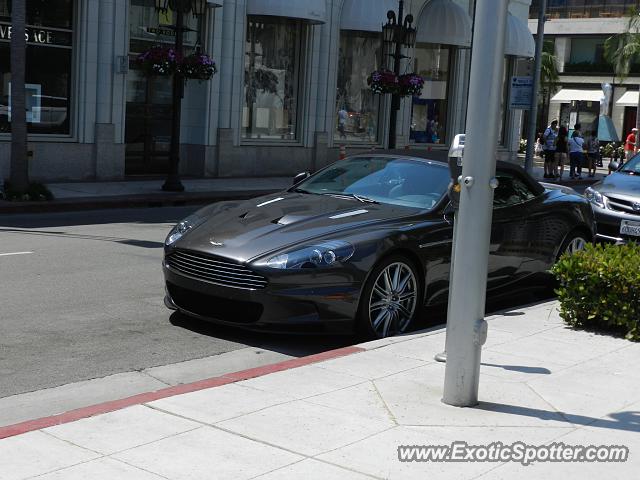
point(225, 309)
point(622, 205)
point(214, 270)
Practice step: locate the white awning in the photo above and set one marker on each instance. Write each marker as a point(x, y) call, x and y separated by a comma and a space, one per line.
point(567, 95)
point(444, 22)
point(519, 41)
point(313, 11)
point(365, 15)
point(629, 99)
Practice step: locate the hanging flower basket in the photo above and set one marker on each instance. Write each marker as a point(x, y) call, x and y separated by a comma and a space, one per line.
point(198, 66)
point(158, 61)
point(383, 81)
point(411, 84)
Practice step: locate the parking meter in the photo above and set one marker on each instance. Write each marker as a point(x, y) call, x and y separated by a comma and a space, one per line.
point(456, 155)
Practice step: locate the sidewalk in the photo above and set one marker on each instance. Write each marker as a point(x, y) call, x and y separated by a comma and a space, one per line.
point(344, 417)
point(144, 193)
point(601, 172)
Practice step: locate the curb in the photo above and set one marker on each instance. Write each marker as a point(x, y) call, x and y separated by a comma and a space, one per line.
point(113, 405)
point(128, 201)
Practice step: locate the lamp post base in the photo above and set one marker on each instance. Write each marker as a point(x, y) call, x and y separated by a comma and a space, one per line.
point(173, 185)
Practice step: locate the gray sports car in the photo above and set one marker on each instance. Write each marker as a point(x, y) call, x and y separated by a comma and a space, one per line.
point(361, 245)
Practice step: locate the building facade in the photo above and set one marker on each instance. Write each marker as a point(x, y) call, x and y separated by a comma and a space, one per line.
point(291, 86)
point(577, 30)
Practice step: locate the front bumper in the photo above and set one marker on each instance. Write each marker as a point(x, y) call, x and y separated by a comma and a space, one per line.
point(608, 223)
point(295, 305)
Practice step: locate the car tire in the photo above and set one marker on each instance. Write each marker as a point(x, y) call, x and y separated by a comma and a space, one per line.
point(574, 242)
point(391, 298)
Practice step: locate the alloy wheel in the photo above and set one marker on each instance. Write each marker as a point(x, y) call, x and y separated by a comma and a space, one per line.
point(575, 245)
point(393, 299)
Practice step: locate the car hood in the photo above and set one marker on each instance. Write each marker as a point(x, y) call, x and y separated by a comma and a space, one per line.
point(620, 184)
point(246, 230)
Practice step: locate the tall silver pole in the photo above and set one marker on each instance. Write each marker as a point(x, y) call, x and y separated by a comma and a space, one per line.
point(533, 110)
point(466, 327)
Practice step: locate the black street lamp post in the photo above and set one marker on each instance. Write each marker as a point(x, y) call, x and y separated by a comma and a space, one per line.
point(180, 8)
point(396, 34)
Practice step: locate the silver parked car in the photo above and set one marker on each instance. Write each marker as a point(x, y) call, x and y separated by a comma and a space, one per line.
point(616, 203)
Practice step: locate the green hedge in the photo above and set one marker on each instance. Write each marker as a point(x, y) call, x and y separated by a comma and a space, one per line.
point(599, 288)
point(35, 192)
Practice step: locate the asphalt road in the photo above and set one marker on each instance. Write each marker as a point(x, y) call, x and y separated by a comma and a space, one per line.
point(86, 302)
point(83, 321)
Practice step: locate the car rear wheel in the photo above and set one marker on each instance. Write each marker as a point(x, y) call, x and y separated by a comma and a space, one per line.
point(390, 299)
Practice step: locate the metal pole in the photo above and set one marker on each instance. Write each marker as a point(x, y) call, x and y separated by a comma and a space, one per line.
point(533, 110)
point(395, 98)
point(466, 327)
point(173, 183)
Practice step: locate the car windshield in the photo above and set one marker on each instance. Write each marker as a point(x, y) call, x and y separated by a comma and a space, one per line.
point(397, 181)
point(632, 166)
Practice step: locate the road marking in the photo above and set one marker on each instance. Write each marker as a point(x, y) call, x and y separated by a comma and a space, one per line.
point(14, 253)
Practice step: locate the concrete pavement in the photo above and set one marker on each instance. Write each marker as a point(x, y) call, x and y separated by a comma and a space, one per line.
point(343, 414)
point(143, 193)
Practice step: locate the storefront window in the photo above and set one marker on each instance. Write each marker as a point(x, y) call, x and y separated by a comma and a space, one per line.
point(272, 78)
point(149, 99)
point(48, 66)
point(429, 117)
point(357, 108)
point(148, 27)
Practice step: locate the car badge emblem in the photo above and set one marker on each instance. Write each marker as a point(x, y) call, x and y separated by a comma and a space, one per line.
point(636, 207)
point(213, 242)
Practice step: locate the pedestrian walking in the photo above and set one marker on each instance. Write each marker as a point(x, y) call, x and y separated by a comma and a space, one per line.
point(593, 153)
point(576, 153)
point(549, 139)
point(630, 145)
point(562, 151)
point(538, 148)
point(342, 122)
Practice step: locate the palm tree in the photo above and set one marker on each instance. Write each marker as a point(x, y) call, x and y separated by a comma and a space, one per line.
point(622, 50)
point(19, 168)
point(549, 79)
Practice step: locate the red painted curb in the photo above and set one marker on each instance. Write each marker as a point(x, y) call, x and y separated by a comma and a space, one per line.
point(106, 407)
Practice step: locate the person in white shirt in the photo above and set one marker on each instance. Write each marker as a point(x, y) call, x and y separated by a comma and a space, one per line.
point(576, 152)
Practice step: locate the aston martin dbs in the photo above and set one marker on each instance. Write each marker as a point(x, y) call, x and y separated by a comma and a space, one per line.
point(361, 245)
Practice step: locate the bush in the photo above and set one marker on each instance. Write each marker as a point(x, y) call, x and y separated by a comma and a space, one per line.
point(35, 192)
point(609, 149)
point(600, 289)
point(522, 147)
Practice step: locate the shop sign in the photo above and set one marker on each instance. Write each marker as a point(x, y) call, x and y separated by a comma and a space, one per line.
point(38, 35)
point(165, 32)
point(521, 93)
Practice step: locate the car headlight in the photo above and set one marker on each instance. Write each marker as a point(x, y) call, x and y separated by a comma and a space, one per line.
point(322, 254)
point(181, 229)
point(594, 197)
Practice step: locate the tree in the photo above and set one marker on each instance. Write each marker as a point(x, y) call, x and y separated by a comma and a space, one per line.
point(622, 50)
point(19, 168)
point(549, 79)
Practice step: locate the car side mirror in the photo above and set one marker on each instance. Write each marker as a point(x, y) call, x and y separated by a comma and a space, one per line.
point(301, 177)
point(613, 165)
